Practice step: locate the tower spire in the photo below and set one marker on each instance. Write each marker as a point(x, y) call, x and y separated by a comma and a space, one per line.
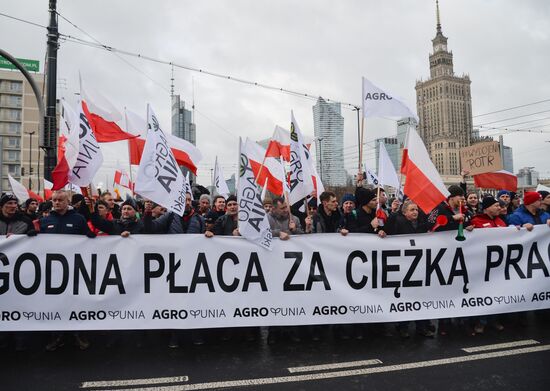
point(437, 15)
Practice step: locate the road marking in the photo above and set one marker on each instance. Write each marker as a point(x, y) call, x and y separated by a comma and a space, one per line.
point(324, 367)
point(348, 373)
point(507, 345)
point(135, 382)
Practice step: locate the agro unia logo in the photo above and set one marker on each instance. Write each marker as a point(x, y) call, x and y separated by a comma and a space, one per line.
point(377, 96)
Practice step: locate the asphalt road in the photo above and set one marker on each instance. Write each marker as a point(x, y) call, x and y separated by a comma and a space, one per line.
point(517, 358)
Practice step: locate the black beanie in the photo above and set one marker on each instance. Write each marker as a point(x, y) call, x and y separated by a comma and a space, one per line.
point(455, 190)
point(488, 202)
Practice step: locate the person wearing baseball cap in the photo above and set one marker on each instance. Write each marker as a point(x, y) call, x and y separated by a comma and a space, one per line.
point(530, 214)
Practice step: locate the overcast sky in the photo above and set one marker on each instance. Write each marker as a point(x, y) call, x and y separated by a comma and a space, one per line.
point(319, 47)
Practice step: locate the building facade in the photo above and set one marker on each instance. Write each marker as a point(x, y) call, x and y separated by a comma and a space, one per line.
point(328, 126)
point(20, 154)
point(183, 126)
point(182, 121)
point(392, 147)
point(444, 106)
point(507, 159)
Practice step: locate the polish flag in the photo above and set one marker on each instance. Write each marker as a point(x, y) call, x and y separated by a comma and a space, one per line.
point(123, 179)
point(271, 173)
point(186, 154)
point(497, 180)
point(47, 189)
point(21, 192)
point(424, 184)
point(102, 116)
point(279, 145)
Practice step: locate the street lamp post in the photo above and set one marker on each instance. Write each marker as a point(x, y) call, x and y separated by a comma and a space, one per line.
point(30, 158)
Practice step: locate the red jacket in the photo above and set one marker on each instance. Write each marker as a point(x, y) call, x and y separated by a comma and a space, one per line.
point(484, 221)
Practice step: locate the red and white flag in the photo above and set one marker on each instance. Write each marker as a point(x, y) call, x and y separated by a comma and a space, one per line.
point(47, 189)
point(424, 184)
point(123, 179)
point(103, 116)
point(271, 172)
point(21, 192)
point(499, 180)
point(185, 153)
point(279, 145)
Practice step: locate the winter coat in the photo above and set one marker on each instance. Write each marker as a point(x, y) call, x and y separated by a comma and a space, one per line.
point(116, 227)
point(322, 223)
point(482, 220)
point(523, 216)
point(398, 224)
point(172, 223)
point(279, 225)
point(225, 225)
point(71, 223)
point(18, 224)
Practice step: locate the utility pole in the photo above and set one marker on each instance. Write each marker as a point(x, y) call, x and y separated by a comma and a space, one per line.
point(30, 159)
point(49, 143)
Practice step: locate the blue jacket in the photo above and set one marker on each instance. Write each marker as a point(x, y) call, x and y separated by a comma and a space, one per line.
point(171, 223)
point(71, 223)
point(523, 216)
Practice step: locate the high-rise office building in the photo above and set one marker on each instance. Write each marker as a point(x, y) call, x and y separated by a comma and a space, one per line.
point(507, 159)
point(444, 106)
point(183, 126)
point(182, 121)
point(328, 126)
point(392, 147)
point(19, 133)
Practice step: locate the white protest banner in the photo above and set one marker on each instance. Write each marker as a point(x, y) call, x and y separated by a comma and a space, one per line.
point(301, 182)
point(480, 158)
point(89, 158)
point(159, 176)
point(70, 282)
point(219, 181)
point(380, 103)
point(253, 222)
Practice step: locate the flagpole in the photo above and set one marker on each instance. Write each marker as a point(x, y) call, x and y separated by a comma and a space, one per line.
point(128, 145)
point(361, 144)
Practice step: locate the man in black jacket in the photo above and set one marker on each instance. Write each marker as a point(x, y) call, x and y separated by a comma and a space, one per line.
point(327, 218)
point(367, 221)
point(126, 225)
point(11, 220)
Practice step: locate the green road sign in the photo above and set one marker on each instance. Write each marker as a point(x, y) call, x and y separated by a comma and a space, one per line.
point(30, 65)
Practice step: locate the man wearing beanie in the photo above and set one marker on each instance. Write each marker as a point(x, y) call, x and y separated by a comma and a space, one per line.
point(490, 217)
point(366, 216)
point(170, 223)
point(504, 195)
point(451, 209)
point(529, 214)
point(545, 200)
point(348, 220)
point(126, 225)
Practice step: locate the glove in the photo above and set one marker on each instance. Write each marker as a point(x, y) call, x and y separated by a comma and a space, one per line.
point(32, 232)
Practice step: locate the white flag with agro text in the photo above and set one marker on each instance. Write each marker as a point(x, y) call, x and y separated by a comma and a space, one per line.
point(159, 176)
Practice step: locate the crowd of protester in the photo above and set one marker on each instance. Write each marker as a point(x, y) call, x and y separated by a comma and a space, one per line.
point(368, 211)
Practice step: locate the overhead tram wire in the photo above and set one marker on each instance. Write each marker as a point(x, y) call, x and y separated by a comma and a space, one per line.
point(22, 20)
point(116, 54)
point(511, 108)
point(313, 97)
point(511, 118)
